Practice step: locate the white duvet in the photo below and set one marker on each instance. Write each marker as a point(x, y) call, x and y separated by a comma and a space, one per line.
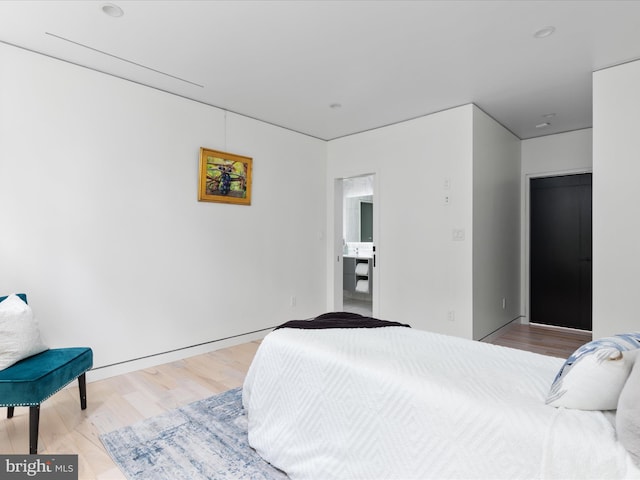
point(400, 403)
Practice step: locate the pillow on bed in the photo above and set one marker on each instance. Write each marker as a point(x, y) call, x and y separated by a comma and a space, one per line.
point(593, 376)
point(19, 333)
point(628, 414)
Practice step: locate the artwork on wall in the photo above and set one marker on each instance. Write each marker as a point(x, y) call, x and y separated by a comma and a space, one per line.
point(224, 177)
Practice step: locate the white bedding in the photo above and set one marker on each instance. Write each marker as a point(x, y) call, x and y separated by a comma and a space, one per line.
point(400, 403)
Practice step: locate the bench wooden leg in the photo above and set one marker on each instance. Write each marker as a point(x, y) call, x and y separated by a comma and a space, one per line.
point(34, 420)
point(82, 384)
point(34, 415)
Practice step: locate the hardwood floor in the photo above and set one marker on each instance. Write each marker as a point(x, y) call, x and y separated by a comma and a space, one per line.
point(119, 401)
point(553, 341)
point(126, 399)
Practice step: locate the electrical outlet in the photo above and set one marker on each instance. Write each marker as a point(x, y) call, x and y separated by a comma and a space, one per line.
point(293, 300)
point(451, 316)
point(504, 303)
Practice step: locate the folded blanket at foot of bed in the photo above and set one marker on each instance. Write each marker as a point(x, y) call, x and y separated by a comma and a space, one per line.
point(340, 320)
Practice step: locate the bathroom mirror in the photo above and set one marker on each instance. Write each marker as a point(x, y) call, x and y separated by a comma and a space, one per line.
point(357, 204)
point(366, 221)
point(358, 219)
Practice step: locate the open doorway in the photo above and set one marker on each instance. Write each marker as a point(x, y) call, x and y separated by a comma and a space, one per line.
point(358, 250)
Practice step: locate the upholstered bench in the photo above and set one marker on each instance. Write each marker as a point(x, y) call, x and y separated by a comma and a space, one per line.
point(30, 381)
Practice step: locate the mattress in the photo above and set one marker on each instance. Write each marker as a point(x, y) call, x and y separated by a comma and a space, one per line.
point(400, 403)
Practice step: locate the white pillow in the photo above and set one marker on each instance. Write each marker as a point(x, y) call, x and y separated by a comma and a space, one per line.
point(593, 376)
point(19, 333)
point(628, 414)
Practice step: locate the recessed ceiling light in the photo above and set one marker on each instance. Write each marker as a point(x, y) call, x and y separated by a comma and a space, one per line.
point(112, 10)
point(543, 125)
point(548, 115)
point(335, 106)
point(544, 32)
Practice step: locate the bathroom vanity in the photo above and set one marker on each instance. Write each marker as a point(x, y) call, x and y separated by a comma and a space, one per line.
point(357, 274)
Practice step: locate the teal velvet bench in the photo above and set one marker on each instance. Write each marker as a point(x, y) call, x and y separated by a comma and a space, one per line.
point(32, 380)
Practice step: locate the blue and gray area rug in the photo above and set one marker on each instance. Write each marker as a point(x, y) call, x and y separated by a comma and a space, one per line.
point(206, 439)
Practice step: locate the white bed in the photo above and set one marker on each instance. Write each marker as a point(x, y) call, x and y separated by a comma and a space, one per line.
point(400, 403)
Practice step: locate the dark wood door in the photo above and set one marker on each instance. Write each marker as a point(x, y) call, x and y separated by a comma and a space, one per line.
point(560, 251)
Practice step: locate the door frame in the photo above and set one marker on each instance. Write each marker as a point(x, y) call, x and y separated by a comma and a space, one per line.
point(526, 286)
point(337, 250)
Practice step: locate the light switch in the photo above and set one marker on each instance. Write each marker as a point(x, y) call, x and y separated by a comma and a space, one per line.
point(458, 234)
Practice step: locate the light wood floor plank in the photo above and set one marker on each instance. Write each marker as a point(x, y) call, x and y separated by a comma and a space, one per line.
point(126, 399)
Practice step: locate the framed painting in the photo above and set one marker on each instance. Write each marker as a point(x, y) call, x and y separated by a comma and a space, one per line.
point(224, 177)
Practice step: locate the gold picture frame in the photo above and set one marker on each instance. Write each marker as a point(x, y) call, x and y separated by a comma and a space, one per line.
point(224, 177)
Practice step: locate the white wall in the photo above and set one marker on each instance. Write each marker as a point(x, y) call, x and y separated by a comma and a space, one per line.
point(423, 274)
point(496, 225)
point(559, 154)
point(426, 278)
point(102, 228)
point(616, 222)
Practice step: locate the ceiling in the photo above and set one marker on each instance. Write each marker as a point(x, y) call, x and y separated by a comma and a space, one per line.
point(381, 62)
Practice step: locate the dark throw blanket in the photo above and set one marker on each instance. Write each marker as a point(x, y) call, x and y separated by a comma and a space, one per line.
point(340, 320)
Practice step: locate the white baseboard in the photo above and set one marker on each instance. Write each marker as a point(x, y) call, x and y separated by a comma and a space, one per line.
point(492, 336)
point(101, 373)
